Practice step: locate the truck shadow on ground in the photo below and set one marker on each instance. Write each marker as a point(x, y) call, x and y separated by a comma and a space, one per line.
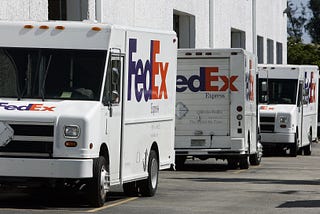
point(315, 182)
point(301, 204)
point(203, 167)
point(31, 200)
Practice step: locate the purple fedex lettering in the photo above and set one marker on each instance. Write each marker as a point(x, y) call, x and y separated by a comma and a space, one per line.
point(144, 81)
point(30, 107)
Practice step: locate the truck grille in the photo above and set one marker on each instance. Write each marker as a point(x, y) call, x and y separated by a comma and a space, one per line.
point(267, 124)
point(267, 119)
point(30, 140)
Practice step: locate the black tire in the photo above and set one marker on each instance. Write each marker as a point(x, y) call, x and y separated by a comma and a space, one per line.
point(232, 163)
point(131, 189)
point(307, 150)
point(179, 161)
point(294, 149)
point(148, 187)
point(100, 183)
point(255, 159)
point(244, 163)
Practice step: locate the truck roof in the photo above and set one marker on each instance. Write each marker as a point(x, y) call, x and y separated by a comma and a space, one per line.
point(61, 34)
point(288, 66)
point(210, 52)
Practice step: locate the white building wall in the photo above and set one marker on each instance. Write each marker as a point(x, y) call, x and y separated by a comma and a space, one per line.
point(229, 14)
point(23, 10)
point(272, 24)
point(156, 14)
point(226, 15)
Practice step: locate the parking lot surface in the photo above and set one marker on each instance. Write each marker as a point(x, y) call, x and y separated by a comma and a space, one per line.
point(281, 184)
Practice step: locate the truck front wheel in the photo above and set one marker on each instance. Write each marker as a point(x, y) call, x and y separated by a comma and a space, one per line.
point(294, 148)
point(99, 184)
point(148, 187)
point(255, 159)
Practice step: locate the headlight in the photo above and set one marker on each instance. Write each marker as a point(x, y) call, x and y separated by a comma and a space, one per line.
point(72, 131)
point(283, 119)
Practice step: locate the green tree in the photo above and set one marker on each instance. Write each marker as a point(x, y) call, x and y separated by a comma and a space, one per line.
point(296, 22)
point(313, 25)
point(299, 53)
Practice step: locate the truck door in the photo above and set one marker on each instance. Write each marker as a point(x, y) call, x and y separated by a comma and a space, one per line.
point(301, 102)
point(112, 100)
point(202, 107)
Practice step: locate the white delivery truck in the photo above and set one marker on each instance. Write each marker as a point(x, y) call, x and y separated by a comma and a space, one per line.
point(216, 107)
point(86, 104)
point(288, 105)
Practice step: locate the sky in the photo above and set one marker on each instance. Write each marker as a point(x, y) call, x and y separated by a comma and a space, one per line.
point(306, 38)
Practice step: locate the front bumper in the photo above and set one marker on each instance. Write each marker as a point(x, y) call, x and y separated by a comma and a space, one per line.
point(275, 138)
point(46, 168)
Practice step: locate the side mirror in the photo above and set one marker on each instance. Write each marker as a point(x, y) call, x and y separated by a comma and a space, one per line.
point(115, 96)
point(264, 87)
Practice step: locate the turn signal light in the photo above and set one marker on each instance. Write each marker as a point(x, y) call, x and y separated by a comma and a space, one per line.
point(59, 27)
point(28, 26)
point(283, 126)
point(96, 29)
point(44, 27)
point(70, 144)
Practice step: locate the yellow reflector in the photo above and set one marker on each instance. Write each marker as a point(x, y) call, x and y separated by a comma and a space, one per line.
point(28, 26)
point(96, 29)
point(44, 27)
point(59, 27)
point(70, 144)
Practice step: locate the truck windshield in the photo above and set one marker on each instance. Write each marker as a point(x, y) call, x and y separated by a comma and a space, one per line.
point(278, 91)
point(51, 73)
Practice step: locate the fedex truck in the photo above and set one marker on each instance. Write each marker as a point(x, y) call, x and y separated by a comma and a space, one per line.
point(288, 97)
point(87, 105)
point(216, 107)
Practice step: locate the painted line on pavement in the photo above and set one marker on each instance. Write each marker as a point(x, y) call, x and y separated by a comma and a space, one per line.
point(112, 205)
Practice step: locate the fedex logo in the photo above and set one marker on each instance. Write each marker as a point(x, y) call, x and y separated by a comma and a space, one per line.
point(142, 75)
point(207, 81)
point(266, 108)
point(310, 87)
point(30, 107)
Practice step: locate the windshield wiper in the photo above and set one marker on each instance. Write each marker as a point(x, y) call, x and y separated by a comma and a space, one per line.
point(45, 77)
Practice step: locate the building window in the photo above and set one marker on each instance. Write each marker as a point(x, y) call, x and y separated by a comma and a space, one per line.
point(270, 55)
point(238, 39)
point(68, 10)
point(184, 26)
point(57, 9)
point(260, 49)
point(279, 53)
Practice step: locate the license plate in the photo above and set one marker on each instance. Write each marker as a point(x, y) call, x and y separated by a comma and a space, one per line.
point(198, 142)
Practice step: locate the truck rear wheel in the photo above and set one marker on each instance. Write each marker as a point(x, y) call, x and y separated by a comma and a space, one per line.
point(294, 148)
point(307, 149)
point(232, 163)
point(148, 187)
point(244, 163)
point(99, 184)
point(180, 160)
